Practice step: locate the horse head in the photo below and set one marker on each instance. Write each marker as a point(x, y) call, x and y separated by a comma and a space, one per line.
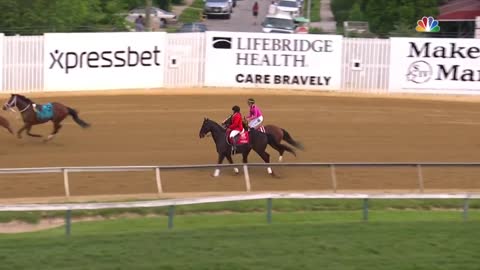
point(15, 100)
point(11, 102)
point(206, 127)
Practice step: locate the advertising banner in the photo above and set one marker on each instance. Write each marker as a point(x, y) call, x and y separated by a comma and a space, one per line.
point(100, 61)
point(435, 65)
point(1, 62)
point(237, 59)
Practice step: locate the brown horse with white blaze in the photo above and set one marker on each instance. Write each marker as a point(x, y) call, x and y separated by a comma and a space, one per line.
point(55, 112)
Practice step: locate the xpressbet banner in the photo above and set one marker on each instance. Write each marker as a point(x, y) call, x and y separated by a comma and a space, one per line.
point(98, 61)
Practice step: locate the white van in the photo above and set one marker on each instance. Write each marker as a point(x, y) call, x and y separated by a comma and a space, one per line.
point(278, 23)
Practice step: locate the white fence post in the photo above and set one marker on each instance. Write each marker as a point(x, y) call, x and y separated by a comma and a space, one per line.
point(334, 177)
point(66, 183)
point(420, 177)
point(247, 177)
point(158, 180)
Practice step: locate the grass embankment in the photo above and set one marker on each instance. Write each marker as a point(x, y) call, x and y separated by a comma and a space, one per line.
point(193, 13)
point(280, 205)
point(308, 240)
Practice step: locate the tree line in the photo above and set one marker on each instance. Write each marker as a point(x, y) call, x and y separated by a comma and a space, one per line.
point(385, 17)
point(34, 17)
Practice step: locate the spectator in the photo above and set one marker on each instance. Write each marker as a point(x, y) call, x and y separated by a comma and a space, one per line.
point(139, 24)
point(255, 12)
point(272, 9)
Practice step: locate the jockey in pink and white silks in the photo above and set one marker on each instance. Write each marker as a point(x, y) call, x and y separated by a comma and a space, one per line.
point(255, 118)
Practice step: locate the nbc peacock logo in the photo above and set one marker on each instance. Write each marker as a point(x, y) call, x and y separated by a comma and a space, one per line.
point(427, 24)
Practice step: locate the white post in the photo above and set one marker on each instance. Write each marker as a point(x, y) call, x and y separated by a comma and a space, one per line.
point(247, 177)
point(420, 177)
point(65, 183)
point(159, 180)
point(477, 27)
point(334, 177)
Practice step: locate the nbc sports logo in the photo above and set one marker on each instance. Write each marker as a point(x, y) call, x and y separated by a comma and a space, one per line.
point(427, 25)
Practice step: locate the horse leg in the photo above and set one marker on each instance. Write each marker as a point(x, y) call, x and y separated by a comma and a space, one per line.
point(221, 157)
point(266, 157)
point(31, 134)
point(19, 132)
point(230, 160)
point(56, 128)
point(280, 151)
point(245, 156)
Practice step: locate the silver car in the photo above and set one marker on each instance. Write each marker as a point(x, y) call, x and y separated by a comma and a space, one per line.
point(218, 7)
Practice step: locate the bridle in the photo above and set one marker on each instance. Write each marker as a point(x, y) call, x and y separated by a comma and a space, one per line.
point(13, 103)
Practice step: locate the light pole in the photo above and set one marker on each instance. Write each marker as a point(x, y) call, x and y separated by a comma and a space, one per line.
point(148, 19)
point(308, 11)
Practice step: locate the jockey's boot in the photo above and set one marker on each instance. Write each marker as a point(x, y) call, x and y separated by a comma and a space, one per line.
point(234, 145)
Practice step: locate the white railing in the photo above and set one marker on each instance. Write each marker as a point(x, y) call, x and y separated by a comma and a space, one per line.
point(157, 170)
point(171, 203)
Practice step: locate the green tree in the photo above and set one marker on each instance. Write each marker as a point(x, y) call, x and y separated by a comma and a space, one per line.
point(356, 14)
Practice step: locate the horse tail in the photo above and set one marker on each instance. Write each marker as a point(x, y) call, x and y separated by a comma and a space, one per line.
point(272, 142)
point(77, 119)
point(290, 140)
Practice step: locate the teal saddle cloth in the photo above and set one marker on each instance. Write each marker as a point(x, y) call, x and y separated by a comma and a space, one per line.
point(46, 112)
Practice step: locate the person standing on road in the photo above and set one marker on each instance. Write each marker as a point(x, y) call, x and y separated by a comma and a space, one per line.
point(272, 9)
point(255, 12)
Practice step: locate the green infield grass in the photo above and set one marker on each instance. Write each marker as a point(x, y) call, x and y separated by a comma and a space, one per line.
point(311, 239)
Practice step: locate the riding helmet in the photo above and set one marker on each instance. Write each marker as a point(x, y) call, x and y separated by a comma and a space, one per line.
point(251, 101)
point(236, 108)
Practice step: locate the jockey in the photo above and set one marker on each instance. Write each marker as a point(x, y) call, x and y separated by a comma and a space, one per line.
point(255, 118)
point(236, 127)
point(37, 108)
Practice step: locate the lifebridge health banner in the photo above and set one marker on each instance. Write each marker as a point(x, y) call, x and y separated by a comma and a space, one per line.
point(435, 65)
point(99, 61)
point(236, 59)
point(1, 61)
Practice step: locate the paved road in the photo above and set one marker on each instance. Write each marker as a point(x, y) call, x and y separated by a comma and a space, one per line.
point(241, 19)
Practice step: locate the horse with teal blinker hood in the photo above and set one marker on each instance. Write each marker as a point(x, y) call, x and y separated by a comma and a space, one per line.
point(33, 114)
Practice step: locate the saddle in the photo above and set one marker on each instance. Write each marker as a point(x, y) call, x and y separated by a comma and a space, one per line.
point(261, 129)
point(44, 112)
point(243, 138)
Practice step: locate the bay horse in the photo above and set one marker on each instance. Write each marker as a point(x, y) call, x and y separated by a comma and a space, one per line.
point(55, 112)
point(4, 123)
point(276, 135)
point(258, 143)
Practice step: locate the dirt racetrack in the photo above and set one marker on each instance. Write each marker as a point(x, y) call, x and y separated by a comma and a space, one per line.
point(161, 128)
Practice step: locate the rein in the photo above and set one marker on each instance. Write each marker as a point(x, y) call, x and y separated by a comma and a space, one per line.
point(13, 104)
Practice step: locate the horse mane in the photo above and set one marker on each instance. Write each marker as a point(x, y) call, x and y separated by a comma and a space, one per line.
point(24, 98)
point(217, 124)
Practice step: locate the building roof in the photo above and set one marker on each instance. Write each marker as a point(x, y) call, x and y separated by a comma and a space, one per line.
point(459, 10)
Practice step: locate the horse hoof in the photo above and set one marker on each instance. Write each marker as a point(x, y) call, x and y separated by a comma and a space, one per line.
point(280, 158)
point(236, 171)
point(216, 173)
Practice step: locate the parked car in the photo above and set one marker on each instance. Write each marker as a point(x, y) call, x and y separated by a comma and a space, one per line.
point(233, 2)
point(162, 16)
point(278, 23)
point(192, 27)
point(289, 6)
point(218, 7)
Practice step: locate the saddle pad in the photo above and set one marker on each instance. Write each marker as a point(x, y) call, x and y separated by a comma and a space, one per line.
point(46, 112)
